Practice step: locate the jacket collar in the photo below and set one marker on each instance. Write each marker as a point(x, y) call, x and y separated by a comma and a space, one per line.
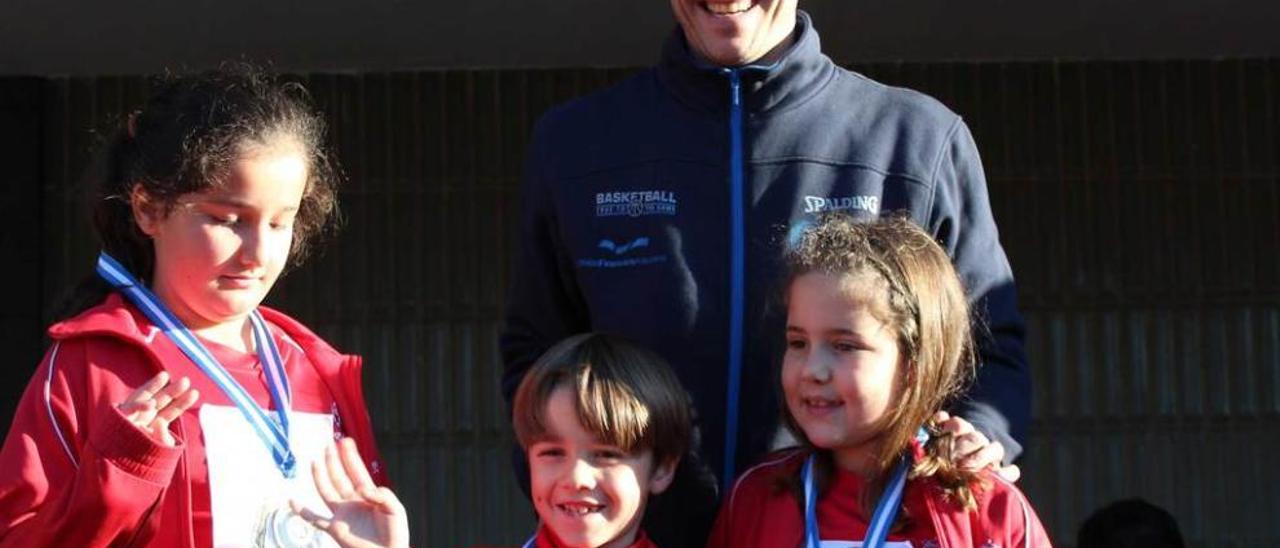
point(116, 318)
point(799, 73)
point(546, 538)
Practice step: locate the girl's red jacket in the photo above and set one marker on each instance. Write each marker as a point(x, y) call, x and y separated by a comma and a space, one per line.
point(75, 472)
point(758, 513)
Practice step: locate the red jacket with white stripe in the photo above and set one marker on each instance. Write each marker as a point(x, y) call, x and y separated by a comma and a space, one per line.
point(758, 513)
point(75, 472)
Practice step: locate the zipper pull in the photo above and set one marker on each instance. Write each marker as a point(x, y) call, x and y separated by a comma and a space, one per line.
point(735, 86)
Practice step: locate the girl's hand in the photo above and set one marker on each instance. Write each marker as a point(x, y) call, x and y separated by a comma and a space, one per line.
point(156, 404)
point(364, 515)
point(973, 451)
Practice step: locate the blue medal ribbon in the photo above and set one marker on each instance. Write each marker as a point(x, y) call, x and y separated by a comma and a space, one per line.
point(273, 431)
point(886, 508)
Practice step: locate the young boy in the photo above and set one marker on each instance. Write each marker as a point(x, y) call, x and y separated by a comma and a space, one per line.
point(603, 423)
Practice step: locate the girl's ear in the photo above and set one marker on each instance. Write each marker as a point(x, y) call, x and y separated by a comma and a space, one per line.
point(663, 474)
point(146, 213)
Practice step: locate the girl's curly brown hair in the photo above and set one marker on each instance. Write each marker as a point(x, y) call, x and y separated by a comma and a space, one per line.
point(186, 138)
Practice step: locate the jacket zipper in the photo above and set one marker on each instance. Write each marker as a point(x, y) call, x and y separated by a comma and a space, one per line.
point(737, 266)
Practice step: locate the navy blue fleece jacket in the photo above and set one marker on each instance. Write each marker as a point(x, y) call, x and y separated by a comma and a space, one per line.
point(658, 209)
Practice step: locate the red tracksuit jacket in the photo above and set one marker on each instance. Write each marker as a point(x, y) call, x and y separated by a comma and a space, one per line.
point(757, 513)
point(75, 472)
point(546, 539)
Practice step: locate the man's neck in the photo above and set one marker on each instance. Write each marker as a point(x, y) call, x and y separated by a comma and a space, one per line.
point(773, 55)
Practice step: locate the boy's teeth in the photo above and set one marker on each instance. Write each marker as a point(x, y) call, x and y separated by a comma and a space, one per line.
point(727, 8)
point(579, 509)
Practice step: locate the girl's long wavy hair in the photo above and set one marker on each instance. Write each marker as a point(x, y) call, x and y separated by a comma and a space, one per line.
point(186, 138)
point(906, 279)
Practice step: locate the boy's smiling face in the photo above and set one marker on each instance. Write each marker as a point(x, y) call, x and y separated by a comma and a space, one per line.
point(587, 492)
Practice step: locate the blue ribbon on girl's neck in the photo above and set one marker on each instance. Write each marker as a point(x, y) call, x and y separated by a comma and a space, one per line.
point(273, 431)
point(886, 509)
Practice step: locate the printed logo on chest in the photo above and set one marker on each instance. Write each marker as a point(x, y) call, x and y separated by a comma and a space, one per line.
point(635, 203)
point(823, 204)
point(622, 255)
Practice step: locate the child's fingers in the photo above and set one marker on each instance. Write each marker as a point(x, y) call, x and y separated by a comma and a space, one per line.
point(320, 477)
point(316, 520)
point(386, 501)
point(131, 408)
point(1010, 473)
point(350, 456)
point(956, 426)
point(159, 431)
point(148, 389)
point(337, 473)
point(170, 391)
point(988, 455)
point(141, 413)
point(971, 442)
point(178, 405)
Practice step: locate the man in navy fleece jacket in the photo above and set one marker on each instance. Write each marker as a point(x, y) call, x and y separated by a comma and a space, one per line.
point(658, 208)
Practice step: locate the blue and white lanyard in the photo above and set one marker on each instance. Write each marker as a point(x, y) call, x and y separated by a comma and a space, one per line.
point(274, 433)
point(881, 519)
